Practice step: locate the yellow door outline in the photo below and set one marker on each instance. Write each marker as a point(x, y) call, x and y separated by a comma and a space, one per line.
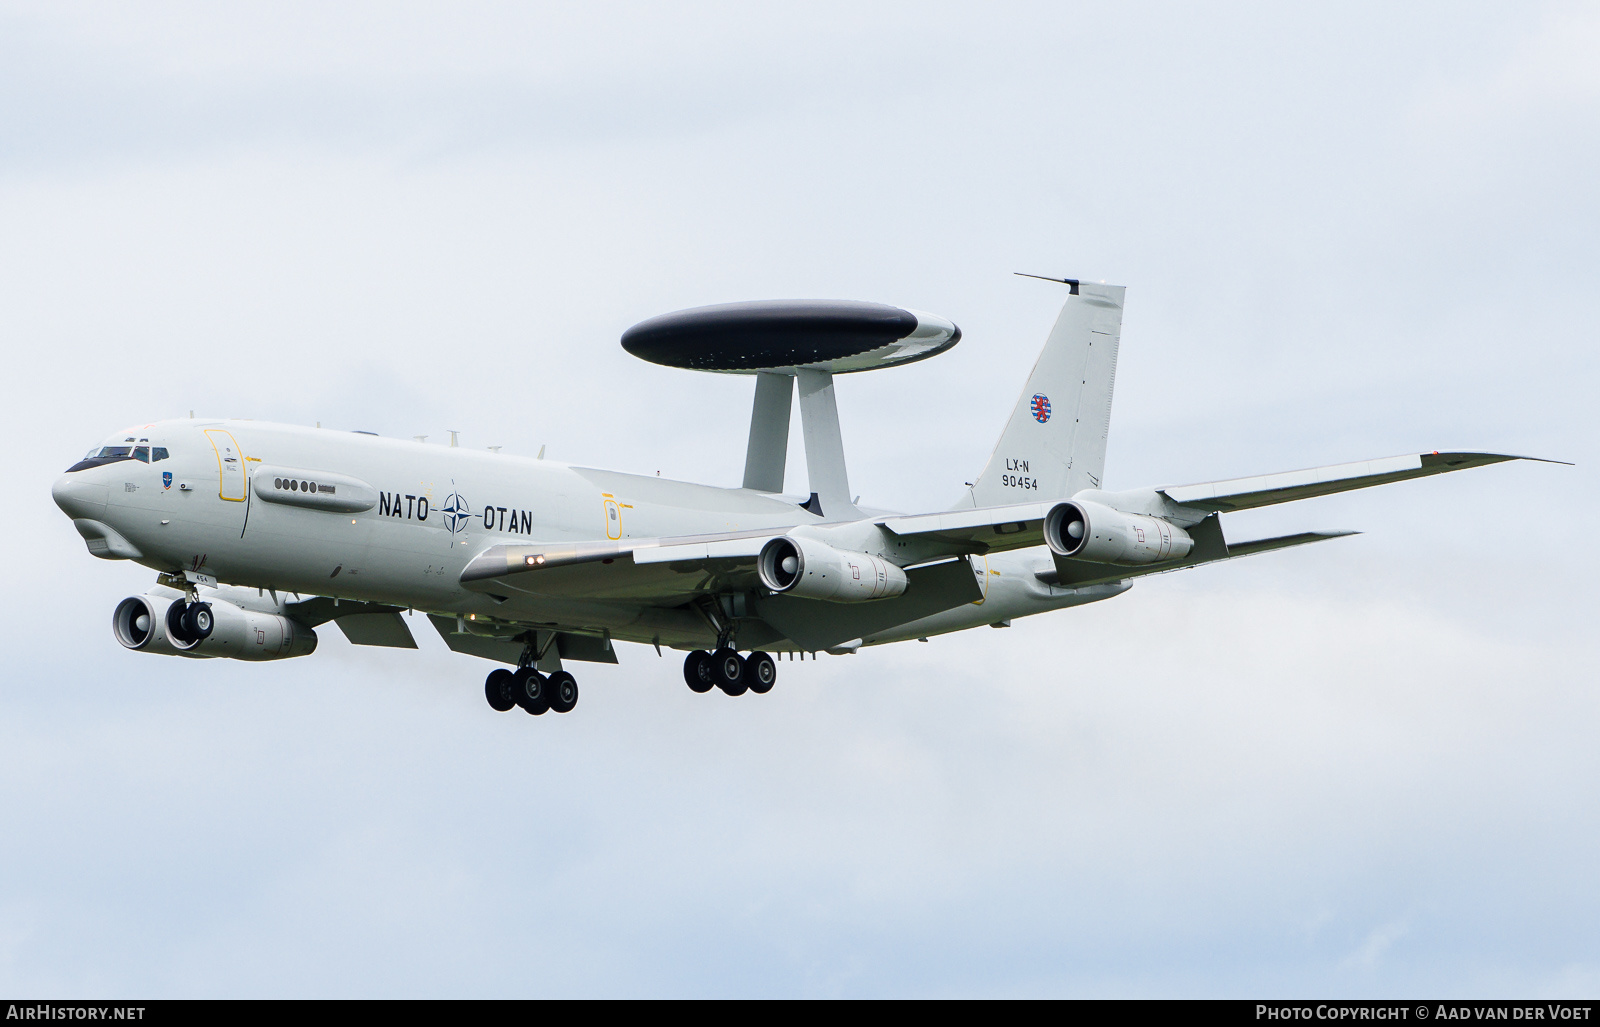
point(228, 443)
point(613, 519)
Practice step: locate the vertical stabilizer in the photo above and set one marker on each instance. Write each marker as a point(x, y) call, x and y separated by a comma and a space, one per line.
point(1055, 443)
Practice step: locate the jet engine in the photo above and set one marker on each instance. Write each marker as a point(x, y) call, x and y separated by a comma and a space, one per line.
point(1099, 534)
point(152, 623)
point(813, 570)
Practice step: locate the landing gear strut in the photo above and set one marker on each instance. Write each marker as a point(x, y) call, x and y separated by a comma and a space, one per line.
point(726, 670)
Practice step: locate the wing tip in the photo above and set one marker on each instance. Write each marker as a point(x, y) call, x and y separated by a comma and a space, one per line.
point(1480, 459)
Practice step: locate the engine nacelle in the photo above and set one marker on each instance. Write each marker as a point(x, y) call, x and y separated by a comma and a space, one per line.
point(814, 570)
point(140, 623)
point(1090, 531)
point(152, 623)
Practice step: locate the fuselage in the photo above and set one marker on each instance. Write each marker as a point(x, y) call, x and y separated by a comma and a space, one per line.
point(228, 499)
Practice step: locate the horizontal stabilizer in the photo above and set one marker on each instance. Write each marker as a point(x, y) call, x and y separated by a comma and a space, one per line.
point(1288, 486)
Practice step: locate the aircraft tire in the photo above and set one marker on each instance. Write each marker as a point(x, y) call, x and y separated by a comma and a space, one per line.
point(697, 671)
point(497, 689)
point(528, 686)
point(562, 688)
point(727, 670)
point(198, 621)
point(761, 671)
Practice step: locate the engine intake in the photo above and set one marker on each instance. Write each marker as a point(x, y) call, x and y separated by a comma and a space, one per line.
point(214, 628)
point(1099, 534)
point(814, 570)
point(140, 623)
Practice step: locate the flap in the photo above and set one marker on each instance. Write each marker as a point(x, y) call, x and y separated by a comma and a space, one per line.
point(815, 625)
point(384, 629)
point(322, 609)
point(505, 649)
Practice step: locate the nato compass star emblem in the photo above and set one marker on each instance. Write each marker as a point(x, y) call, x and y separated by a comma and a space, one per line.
point(456, 513)
point(1041, 408)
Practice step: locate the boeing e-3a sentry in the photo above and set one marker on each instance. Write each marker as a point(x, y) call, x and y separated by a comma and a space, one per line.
point(260, 533)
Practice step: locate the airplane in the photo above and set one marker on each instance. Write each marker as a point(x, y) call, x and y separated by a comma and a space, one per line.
point(537, 564)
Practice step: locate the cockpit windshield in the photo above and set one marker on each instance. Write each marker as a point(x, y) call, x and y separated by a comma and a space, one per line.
point(127, 448)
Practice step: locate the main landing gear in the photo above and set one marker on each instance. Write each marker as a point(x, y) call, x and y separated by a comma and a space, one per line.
point(727, 670)
point(536, 693)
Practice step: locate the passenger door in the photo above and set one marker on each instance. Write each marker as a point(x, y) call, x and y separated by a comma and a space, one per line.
point(230, 465)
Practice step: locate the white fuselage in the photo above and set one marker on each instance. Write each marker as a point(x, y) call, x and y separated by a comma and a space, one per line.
point(202, 509)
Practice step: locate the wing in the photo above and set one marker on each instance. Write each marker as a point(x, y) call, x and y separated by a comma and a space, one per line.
point(1288, 486)
point(986, 530)
point(1209, 547)
point(657, 571)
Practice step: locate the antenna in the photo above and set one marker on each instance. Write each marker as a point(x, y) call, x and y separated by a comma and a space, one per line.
point(453, 438)
point(1072, 282)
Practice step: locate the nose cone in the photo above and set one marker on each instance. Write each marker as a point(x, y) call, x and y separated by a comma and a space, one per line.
point(78, 497)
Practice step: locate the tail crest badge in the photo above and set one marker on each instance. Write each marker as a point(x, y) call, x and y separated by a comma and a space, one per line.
point(1041, 408)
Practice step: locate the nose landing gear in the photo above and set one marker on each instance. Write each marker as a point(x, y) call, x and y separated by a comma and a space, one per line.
point(190, 622)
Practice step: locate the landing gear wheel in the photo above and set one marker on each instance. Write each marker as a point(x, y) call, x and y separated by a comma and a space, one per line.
point(497, 689)
point(761, 671)
point(530, 690)
point(198, 620)
point(562, 689)
point(727, 671)
point(189, 623)
point(697, 671)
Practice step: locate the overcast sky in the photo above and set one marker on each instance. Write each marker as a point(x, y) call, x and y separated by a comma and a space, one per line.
point(1367, 767)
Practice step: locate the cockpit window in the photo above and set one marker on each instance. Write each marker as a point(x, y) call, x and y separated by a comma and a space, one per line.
point(101, 456)
point(130, 448)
